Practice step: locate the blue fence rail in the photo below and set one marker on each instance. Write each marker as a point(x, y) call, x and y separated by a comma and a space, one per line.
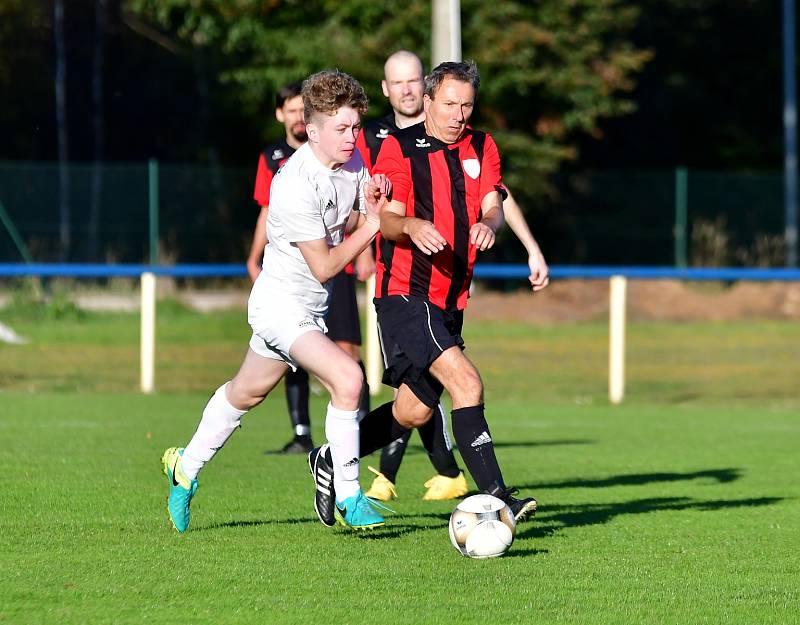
point(486, 271)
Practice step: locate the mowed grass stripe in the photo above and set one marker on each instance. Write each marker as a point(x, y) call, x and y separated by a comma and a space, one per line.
point(647, 513)
point(679, 506)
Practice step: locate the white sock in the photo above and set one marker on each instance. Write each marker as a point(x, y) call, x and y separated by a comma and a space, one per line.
point(220, 420)
point(341, 430)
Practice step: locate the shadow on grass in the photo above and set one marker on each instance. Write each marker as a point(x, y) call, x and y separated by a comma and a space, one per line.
point(722, 476)
point(257, 523)
point(553, 443)
point(391, 530)
point(549, 521)
point(416, 448)
point(552, 519)
point(524, 553)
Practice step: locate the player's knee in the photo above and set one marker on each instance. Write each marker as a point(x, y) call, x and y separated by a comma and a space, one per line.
point(348, 383)
point(412, 415)
point(242, 398)
point(467, 389)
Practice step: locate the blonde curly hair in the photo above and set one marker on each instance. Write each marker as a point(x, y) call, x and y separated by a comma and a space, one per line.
point(329, 90)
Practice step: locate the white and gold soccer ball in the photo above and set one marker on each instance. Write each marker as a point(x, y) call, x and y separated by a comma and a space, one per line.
point(482, 526)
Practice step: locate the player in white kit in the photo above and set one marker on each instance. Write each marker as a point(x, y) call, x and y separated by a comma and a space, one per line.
point(323, 191)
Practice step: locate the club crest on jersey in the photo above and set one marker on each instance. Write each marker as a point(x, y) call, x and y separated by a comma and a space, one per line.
point(382, 133)
point(422, 143)
point(277, 154)
point(472, 167)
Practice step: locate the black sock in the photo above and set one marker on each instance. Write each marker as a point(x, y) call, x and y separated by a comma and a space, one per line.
point(392, 456)
point(378, 429)
point(296, 383)
point(363, 402)
point(475, 444)
point(433, 439)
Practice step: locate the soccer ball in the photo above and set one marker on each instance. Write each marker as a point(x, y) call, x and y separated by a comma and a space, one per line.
point(482, 526)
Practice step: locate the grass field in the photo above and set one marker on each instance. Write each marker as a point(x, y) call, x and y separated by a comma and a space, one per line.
point(680, 506)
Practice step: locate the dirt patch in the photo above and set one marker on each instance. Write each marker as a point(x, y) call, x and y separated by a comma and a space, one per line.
point(669, 300)
point(563, 300)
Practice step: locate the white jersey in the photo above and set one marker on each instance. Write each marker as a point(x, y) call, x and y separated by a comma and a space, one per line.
point(308, 201)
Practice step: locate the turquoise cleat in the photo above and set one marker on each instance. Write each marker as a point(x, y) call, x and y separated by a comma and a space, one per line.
point(359, 512)
point(181, 489)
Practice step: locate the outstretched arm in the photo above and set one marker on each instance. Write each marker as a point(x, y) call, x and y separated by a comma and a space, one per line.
point(540, 272)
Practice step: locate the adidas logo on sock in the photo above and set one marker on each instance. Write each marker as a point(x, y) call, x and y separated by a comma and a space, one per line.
point(482, 439)
point(351, 463)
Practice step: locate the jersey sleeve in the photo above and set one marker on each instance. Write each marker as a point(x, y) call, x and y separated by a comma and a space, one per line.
point(391, 163)
point(263, 182)
point(295, 206)
point(490, 170)
point(361, 145)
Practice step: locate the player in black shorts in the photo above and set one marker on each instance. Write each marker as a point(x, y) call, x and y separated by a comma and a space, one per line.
point(402, 85)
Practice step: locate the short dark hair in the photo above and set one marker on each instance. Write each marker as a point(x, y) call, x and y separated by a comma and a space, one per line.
point(329, 90)
point(287, 92)
point(465, 71)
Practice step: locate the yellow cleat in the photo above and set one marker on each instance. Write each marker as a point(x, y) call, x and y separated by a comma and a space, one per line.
point(441, 487)
point(381, 489)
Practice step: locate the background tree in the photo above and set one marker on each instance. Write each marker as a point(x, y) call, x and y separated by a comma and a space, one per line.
point(551, 70)
point(712, 95)
point(570, 86)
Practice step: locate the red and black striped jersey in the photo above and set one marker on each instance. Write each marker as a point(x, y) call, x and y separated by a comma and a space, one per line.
point(444, 184)
point(269, 162)
point(372, 135)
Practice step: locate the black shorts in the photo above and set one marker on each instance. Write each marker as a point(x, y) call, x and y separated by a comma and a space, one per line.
point(342, 319)
point(413, 334)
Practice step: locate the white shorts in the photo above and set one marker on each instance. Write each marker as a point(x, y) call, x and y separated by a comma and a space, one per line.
point(276, 327)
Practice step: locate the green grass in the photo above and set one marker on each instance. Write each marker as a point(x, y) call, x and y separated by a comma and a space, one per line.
point(680, 506)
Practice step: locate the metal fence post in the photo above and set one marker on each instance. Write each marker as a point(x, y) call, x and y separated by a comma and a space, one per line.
point(152, 180)
point(681, 215)
point(445, 31)
point(14, 234)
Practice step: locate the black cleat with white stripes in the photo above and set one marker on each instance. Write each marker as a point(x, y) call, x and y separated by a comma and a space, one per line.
point(521, 508)
point(320, 464)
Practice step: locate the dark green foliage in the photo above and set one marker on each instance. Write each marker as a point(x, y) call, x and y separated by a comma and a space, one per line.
point(550, 71)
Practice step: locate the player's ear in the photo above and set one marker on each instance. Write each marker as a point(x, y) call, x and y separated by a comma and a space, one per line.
point(385, 88)
point(312, 132)
point(279, 115)
point(426, 102)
